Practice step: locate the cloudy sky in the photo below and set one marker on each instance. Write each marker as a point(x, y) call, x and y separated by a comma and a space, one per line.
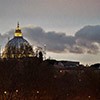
point(69, 28)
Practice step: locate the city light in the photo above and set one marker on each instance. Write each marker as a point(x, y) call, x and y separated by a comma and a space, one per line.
point(37, 92)
point(16, 90)
point(5, 92)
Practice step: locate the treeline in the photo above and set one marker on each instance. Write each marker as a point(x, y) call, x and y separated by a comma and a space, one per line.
point(33, 79)
point(27, 76)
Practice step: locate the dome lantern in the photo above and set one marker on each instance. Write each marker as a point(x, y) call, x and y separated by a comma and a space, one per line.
point(18, 32)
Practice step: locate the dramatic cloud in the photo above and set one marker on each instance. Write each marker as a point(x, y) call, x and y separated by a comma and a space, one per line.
point(86, 40)
point(89, 38)
point(91, 33)
point(56, 42)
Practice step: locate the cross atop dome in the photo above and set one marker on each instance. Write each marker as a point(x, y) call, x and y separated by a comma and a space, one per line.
point(18, 32)
point(18, 25)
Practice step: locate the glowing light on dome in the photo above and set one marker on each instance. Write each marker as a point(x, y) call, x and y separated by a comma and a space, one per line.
point(18, 32)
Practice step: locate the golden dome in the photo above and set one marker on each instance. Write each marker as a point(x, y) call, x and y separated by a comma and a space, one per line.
point(18, 47)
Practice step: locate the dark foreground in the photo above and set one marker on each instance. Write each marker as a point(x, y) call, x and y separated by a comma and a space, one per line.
point(32, 79)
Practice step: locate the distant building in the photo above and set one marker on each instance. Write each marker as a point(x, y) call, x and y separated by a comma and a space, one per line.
point(63, 64)
point(17, 47)
point(66, 64)
point(63, 67)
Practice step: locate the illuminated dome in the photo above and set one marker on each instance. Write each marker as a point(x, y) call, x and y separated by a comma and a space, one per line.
point(17, 47)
